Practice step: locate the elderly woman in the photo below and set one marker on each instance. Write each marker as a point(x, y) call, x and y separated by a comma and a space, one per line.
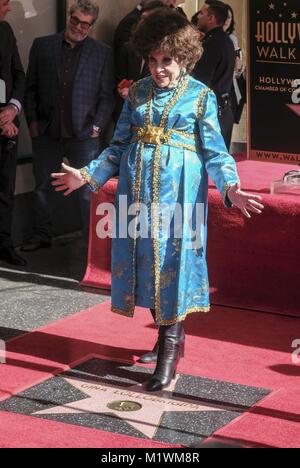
point(166, 143)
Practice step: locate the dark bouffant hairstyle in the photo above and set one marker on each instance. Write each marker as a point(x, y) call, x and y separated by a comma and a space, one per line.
point(170, 33)
point(153, 5)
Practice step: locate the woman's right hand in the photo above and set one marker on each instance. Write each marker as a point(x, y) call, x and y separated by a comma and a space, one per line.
point(67, 181)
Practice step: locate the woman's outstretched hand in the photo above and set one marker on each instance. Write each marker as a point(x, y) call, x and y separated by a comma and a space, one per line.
point(68, 180)
point(245, 201)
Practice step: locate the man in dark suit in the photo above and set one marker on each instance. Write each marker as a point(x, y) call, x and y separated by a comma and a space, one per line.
point(126, 25)
point(12, 84)
point(216, 66)
point(68, 102)
point(124, 28)
point(131, 66)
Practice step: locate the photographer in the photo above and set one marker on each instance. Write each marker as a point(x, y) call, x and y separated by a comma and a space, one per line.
point(12, 84)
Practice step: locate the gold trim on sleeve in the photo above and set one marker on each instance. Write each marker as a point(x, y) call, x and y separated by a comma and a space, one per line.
point(89, 179)
point(200, 105)
point(226, 188)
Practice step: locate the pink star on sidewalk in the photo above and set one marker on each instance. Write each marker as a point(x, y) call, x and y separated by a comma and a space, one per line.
point(150, 406)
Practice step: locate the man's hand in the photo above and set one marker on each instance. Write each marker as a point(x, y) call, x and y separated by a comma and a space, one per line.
point(9, 131)
point(68, 180)
point(7, 115)
point(245, 201)
point(95, 133)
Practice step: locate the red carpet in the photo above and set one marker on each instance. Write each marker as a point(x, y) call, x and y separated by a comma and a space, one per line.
point(98, 272)
point(253, 264)
point(236, 346)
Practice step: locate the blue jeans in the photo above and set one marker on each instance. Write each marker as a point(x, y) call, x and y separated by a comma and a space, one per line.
point(48, 155)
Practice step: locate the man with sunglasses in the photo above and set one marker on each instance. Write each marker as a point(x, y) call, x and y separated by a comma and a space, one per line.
point(69, 101)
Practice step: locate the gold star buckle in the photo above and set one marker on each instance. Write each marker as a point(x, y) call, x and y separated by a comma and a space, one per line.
point(154, 135)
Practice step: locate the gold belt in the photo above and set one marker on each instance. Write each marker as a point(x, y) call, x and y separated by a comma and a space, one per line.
point(158, 136)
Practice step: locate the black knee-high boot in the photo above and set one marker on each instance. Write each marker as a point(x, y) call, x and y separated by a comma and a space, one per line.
point(171, 349)
point(150, 357)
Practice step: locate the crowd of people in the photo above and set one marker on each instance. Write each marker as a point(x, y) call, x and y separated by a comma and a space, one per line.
point(174, 117)
point(74, 87)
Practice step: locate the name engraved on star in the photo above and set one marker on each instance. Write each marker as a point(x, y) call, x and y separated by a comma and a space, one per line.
point(94, 387)
point(138, 396)
point(152, 407)
point(145, 397)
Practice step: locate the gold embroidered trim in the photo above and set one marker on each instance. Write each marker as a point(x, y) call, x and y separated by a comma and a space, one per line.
point(181, 89)
point(136, 201)
point(157, 135)
point(127, 313)
point(181, 132)
point(183, 145)
point(152, 135)
point(132, 94)
point(156, 164)
point(200, 105)
point(148, 108)
point(183, 317)
point(226, 188)
point(138, 174)
point(89, 179)
point(130, 314)
point(155, 214)
point(171, 143)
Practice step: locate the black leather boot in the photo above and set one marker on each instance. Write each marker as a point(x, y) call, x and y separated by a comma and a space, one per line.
point(171, 349)
point(150, 357)
point(9, 255)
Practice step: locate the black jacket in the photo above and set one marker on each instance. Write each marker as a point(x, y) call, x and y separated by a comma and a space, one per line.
point(11, 69)
point(123, 31)
point(216, 66)
point(179, 10)
point(92, 96)
point(129, 67)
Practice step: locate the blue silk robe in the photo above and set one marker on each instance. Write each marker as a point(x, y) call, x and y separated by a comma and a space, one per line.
point(166, 143)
